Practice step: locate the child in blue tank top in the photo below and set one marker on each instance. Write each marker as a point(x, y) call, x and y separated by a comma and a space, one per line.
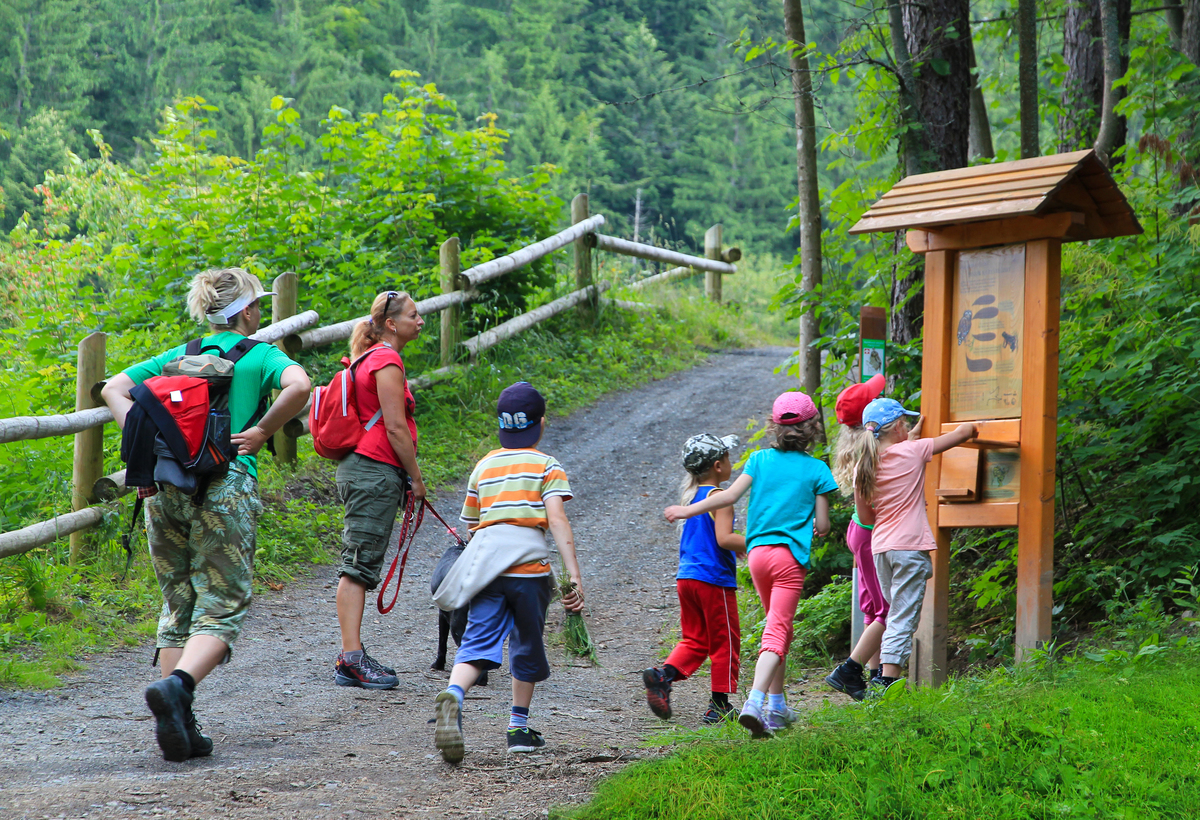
point(707, 587)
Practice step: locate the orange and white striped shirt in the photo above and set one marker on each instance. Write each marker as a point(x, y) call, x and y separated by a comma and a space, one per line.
point(510, 487)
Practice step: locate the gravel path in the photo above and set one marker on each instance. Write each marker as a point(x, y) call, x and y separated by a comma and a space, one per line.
point(289, 743)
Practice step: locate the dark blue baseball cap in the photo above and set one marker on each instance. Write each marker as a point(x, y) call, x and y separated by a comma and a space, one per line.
point(520, 409)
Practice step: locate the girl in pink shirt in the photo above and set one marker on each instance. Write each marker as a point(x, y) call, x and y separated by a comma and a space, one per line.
point(889, 481)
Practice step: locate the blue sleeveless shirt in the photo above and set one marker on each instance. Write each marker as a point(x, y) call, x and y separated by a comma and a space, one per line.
point(700, 559)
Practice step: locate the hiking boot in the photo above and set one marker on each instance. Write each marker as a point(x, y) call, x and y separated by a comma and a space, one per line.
point(779, 719)
point(387, 670)
point(718, 714)
point(202, 744)
point(365, 672)
point(171, 704)
point(448, 736)
point(882, 684)
point(752, 718)
point(524, 740)
point(846, 681)
point(658, 692)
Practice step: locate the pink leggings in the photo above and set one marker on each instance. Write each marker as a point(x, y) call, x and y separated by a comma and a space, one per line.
point(779, 580)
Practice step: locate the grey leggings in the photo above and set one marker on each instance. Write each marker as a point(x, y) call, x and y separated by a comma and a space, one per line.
point(902, 576)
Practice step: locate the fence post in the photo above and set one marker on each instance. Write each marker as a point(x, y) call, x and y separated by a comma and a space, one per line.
point(88, 464)
point(451, 316)
point(712, 250)
point(583, 259)
point(284, 305)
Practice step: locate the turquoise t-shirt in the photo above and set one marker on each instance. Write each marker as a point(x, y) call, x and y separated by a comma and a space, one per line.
point(256, 374)
point(783, 499)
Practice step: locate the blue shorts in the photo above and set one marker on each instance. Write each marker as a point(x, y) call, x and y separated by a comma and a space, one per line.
point(512, 608)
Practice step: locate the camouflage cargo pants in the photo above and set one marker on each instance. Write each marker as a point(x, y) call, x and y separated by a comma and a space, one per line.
point(204, 557)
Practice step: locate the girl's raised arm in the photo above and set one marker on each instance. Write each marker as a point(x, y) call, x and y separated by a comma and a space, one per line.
point(965, 432)
point(715, 501)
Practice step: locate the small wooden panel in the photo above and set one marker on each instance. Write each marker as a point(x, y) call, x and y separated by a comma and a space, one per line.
point(994, 434)
point(978, 515)
point(906, 186)
point(1000, 232)
point(966, 196)
point(934, 216)
point(958, 478)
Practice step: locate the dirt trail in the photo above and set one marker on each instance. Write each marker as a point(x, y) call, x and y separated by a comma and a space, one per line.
point(289, 743)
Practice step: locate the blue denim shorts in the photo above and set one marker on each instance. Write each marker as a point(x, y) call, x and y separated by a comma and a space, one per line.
point(514, 609)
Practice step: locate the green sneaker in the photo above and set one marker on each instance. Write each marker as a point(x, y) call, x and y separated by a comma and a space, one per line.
point(524, 740)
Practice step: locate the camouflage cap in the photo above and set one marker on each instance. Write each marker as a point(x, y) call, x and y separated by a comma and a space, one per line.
point(702, 451)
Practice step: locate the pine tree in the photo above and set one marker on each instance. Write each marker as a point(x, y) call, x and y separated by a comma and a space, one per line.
point(39, 147)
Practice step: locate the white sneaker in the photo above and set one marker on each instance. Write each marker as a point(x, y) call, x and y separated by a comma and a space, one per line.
point(752, 718)
point(781, 718)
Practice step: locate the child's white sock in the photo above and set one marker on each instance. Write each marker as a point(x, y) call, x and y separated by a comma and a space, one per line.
point(776, 703)
point(756, 697)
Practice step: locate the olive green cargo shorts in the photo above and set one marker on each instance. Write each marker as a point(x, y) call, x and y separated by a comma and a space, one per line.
point(204, 557)
point(371, 492)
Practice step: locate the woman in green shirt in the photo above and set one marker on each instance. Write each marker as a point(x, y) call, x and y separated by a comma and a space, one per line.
point(203, 554)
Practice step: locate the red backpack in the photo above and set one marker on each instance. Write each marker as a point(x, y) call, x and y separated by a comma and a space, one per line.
point(333, 417)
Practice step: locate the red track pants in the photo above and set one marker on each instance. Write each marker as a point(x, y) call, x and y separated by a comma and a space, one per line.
point(709, 617)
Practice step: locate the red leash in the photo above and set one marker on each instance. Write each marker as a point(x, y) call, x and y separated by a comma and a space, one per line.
point(406, 538)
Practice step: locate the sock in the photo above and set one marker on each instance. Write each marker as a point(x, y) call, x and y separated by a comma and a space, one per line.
point(353, 657)
point(776, 703)
point(670, 673)
point(457, 691)
point(853, 666)
point(877, 672)
point(756, 697)
point(720, 700)
point(518, 718)
point(189, 683)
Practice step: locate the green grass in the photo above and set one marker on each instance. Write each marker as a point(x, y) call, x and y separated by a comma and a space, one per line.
point(53, 614)
point(1073, 739)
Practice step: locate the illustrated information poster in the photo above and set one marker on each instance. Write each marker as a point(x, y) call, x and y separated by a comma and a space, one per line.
point(874, 357)
point(988, 309)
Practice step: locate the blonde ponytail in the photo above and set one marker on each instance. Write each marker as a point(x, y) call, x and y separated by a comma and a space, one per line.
point(217, 288)
point(688, 487)
point(866, 459)
point(369, 332)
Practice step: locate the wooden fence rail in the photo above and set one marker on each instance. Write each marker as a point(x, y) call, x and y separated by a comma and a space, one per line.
point(296, 332)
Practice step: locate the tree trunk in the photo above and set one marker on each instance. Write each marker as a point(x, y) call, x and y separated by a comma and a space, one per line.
point(1027, 76)
point(1083, 85)
point(936, 36)
point(810, 194)
point(1106, 139)
point(1174, 15)
point(979, 137)
point(1190, 33)
point(911, 150)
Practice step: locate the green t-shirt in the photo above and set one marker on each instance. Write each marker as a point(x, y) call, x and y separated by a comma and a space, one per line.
point(256, 374)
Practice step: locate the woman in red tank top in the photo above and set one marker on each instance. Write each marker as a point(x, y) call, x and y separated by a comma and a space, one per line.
point(372, 481)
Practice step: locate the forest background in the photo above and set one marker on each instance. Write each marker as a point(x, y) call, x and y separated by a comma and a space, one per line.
point(140, 141)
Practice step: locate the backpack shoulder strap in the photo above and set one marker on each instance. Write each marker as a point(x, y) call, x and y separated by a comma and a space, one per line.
point(193, 347)
point(241, 349)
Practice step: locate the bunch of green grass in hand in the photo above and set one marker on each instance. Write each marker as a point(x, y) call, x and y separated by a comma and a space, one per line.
point(576, 639)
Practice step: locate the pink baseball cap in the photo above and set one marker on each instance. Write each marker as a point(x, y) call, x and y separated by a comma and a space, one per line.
point(793, 408)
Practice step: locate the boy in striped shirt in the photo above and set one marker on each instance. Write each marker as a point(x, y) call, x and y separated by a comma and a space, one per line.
point(514, 495)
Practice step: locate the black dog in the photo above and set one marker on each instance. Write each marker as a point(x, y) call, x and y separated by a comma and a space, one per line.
point(450, 624)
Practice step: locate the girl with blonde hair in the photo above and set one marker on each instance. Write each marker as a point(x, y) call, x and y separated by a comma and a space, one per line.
point(374, 480)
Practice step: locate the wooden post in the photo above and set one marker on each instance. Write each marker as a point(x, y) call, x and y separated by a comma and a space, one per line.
point(284, 305)
point(583, 259)
point(88, 465)
point(712, 249)
point(928, 662)
point(1039, 431)
point(451, 321)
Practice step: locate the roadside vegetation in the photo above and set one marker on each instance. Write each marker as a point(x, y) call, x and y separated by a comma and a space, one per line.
point(1094, 734)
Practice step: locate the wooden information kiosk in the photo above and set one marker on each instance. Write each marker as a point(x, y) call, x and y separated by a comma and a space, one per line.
point(992, 238)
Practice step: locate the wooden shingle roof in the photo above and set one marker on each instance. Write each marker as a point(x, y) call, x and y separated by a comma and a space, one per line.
point(1074, 183)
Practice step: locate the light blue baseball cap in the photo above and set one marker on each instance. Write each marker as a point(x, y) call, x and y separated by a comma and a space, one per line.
point(882, 412)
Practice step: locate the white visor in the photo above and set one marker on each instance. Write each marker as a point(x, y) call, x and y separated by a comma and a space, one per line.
point(227, 314)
